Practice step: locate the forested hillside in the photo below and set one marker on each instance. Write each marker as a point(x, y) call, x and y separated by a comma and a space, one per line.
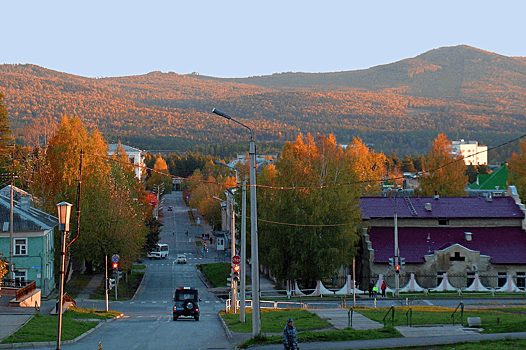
point(399, 107)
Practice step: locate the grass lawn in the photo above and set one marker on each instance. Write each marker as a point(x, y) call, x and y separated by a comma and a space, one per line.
point(216, 273)
point(43, 328)
point(493, 321)
point(310, 328)
point(504, 344)
point(125, 290)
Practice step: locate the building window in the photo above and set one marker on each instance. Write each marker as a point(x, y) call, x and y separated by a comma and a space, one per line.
point(521, 280)
point(20, 277)
point(443, 222)
point(457, 257)
point(20, 246)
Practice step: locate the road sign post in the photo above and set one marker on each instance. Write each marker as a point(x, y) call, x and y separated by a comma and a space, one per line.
point(236, 260)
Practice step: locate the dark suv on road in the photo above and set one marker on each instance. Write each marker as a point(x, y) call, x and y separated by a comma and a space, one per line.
point(186, 303)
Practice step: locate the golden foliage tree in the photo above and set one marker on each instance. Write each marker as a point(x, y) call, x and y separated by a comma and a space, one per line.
point(319, 229)
point(445, 172)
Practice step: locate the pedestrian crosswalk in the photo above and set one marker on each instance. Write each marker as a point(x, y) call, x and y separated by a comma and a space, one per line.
point(166, 302)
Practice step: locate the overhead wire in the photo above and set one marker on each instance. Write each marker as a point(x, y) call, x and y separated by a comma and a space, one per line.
point(458, 159)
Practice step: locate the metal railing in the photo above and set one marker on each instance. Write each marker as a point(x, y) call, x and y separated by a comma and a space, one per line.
point(349, 316)
point(392, 312)
point(461, 306)
point(409, 317)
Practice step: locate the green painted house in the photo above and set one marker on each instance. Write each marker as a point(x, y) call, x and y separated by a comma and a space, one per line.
point(32, 244)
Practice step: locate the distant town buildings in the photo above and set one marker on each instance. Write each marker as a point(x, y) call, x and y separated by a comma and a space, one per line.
point(261, 159)
point(471, 151)
point(135, 156)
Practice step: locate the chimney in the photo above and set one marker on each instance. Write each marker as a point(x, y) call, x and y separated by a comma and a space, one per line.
point(436, 195)
point(428, 206)
point(25, 203)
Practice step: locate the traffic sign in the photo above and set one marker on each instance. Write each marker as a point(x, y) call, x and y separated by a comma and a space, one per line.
point(115, 258)
point(236, 260)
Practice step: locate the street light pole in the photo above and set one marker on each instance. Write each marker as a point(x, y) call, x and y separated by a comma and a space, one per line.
point(64, 213)
point(256, 323)
point(396, 250)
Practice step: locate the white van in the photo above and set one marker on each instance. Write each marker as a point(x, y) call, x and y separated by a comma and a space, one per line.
point(159, 251)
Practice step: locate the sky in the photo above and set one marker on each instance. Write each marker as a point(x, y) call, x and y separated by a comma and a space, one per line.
point(229, 39)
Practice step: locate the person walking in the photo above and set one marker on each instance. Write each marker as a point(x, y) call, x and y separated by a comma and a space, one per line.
point(290, 336)
point(383, 288)
point(375, 291)
point(371, 286)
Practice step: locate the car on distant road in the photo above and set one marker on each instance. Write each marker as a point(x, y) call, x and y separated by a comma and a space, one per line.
point(186, 303)
point(181, 259)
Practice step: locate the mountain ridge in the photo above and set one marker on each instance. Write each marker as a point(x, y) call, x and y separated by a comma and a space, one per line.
point(458, 90)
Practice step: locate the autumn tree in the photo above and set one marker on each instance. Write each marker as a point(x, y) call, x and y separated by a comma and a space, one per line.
point(517, 170)
point(6, 139)
point(309, 222)
point(445, 173)
point(157, 177)
point(369, 167)
point(112, 220)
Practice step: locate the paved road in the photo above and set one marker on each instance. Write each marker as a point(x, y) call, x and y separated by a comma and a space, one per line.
point(147, 322)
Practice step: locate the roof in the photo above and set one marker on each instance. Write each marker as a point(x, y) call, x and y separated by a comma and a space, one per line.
point(497, 179)
point(112, 148)
point(444, 207)
point(31, 219)
point(505, 245)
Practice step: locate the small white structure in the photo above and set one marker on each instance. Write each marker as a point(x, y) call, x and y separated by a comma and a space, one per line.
point(135, 156)
point(471, 151)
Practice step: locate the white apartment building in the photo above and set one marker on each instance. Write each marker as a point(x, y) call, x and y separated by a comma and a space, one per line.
point(135, 156)
point(471, 151)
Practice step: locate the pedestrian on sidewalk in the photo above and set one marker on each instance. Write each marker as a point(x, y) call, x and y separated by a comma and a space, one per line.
point(290, 336)
point(371, 286)
point(383, 288)
point(375, 291)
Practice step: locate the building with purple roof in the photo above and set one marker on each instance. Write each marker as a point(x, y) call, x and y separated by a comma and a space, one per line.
point(458, 236)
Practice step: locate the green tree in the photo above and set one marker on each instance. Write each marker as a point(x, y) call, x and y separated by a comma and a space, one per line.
point(517, 170)
point(445, 172)
point(319, 225)
point(112, 221)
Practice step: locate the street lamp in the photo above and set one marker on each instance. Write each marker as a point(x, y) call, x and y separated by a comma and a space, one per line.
point(64, 213)
point(256, 319)
point(243, 241)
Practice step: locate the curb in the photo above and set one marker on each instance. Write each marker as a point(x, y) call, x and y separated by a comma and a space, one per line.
point(228, 332)
point(140, 285)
